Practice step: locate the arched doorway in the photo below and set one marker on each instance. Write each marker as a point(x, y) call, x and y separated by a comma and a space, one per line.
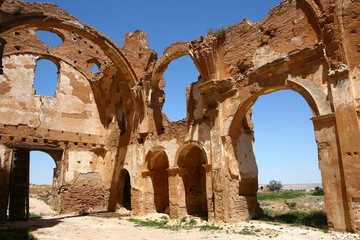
point(284, 145)
point(286, 152)
point(192, 159)
point(323, 119)
point(43, 177)
point(21, 161)
point(157, 164)
point(125, 189)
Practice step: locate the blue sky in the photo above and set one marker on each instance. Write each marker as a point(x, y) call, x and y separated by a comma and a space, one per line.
point(285, 145)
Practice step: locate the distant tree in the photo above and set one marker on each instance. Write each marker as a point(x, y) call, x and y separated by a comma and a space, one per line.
point(318, 191)
point(274, 185)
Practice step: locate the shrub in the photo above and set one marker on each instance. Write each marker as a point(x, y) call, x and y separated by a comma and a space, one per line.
point(318, 192)
point(274, 185)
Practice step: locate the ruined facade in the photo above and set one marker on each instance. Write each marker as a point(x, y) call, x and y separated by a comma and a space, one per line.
point(112, 145)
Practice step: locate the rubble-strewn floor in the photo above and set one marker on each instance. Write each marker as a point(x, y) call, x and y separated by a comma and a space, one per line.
point(91, 227)
point(114, 226)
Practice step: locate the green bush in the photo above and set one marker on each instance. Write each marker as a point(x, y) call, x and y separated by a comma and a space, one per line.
point(318, 192)
point(274, 185)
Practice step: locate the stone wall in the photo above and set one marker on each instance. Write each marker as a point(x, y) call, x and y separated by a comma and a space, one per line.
point(117, 142)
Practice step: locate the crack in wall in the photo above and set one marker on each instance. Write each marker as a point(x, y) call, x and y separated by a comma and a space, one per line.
point(41, 116)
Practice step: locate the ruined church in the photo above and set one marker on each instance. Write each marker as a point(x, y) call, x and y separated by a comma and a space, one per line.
point(114, 147)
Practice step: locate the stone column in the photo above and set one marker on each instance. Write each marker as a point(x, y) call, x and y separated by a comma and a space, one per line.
point(148, 192)
point(331, 172)
point(177, 201)
point(348, 134)
point(209, 192)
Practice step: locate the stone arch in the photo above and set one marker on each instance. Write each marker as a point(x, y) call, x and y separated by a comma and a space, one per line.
point(192, 159)
point(47, 21)
point(314, 96)
point(184, 150)
point(157, 164)
point(174, 51)
point(115, 72)
point(330, 165)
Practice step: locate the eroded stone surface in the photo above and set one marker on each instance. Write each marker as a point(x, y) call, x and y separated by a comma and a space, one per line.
point(113, 146)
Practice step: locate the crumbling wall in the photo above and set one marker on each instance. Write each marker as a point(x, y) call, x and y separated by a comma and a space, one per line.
point(310, 47)
point(74, 120)
point(86, 193)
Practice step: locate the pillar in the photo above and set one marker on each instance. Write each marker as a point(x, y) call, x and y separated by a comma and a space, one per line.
point(331, 172)
point(177, 201)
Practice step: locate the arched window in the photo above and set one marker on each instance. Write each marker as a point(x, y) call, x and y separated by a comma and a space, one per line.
point(46, 77)
point(179, 75)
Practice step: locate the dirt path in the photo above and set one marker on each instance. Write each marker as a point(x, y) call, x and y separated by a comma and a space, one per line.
point(107, 227)
point(39, 207)
point(91, 227)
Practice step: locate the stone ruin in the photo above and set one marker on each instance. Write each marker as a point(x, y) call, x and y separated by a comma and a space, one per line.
point(112, 145)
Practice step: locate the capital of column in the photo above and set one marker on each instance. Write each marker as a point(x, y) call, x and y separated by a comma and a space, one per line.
point(176, 171)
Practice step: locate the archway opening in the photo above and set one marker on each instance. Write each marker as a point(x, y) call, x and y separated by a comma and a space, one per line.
point(46, 78)
point(34, 181)
point(179, 75)
point(125, 189)
point(194, 180)
point(43, 179)
point(286, 151)
point(158, 164)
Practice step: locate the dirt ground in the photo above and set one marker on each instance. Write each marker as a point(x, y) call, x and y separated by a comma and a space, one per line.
point(113, 227)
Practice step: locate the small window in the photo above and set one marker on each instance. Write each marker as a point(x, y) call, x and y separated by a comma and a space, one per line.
point(49, 38)
point(46, 77)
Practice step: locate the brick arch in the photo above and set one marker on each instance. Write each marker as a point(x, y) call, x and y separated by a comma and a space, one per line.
point(314, 96)
point(150, 162)
point(45, 22)
point(184, 150)
point(192, 158)
point(174, 51)
point(157, 164)
point(330, 165)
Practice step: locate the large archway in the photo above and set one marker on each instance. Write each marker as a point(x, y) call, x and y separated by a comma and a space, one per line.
point(284, 146)
point(157, 164)
point(242, 138)
point(192, 158)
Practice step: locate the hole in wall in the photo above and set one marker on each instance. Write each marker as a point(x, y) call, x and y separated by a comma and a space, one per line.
point(49, 38)
point(46, 77)
point(95, 68)
point(179, 75)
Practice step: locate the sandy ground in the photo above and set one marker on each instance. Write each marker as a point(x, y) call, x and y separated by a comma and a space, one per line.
point(115, 228)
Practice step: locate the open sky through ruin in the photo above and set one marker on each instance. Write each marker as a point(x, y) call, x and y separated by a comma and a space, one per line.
point(285, 146)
